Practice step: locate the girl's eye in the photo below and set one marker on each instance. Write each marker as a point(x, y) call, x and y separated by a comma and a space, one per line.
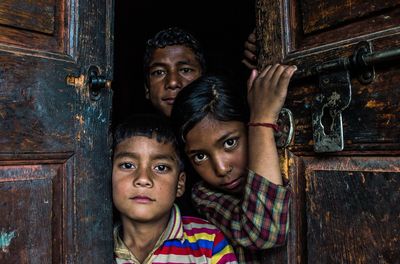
point(230, 143)
point(127, 166)
point(199, 157)
point(162, 168)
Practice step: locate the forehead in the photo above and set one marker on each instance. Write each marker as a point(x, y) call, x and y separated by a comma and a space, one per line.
point(145, 146)
point(173, 54)
point(209, 131)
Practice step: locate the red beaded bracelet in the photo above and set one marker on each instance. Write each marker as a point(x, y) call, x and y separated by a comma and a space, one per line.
point(275, 127)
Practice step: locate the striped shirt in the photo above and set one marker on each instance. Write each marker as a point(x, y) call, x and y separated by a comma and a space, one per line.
point(185, 240)
point(256, 220)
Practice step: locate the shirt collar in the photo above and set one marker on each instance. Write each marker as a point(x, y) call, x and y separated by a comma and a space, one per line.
point(174, 230)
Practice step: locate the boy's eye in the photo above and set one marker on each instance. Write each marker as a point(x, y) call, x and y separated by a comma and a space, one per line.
point(199, 157)
point(157, 72)
point(230, 143)
point(162, 168)
point(186, 70)
point(127, 166)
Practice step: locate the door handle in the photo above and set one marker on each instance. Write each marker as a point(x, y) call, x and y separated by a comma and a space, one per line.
point(335, 91)
point(96, 82)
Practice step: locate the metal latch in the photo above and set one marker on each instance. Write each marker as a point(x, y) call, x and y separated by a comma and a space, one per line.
point(327, 121)
point(335, 95)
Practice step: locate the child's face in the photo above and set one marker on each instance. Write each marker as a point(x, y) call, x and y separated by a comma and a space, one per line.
point(218, 152)
point(146, 179)
point(171, 69)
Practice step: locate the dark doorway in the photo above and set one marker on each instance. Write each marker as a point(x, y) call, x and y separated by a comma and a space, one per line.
point(221, 26)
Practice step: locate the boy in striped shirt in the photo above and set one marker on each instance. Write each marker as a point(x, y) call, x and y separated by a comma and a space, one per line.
point(147, 177)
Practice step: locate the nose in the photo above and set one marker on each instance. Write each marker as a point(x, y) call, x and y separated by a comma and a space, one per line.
point(174, 81)
point(142, 179)
point(222, 166)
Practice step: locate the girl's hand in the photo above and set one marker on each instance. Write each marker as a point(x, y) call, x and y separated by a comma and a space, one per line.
point(250, 49)
point(266, 92)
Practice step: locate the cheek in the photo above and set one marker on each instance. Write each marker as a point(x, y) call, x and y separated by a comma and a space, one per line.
point(191, 78)
point(240, 158)
point(120, 187)
point(203, 170)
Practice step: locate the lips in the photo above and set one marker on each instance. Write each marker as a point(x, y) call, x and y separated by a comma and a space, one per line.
point(169, 100)
point(142, 199)
point(232, 185)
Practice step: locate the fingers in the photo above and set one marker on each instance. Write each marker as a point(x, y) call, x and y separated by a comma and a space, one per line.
point(277, 74)
point(251, 79)
point(286, 75)
point(251, 48)
point(250, 59)
point(249, 65)
point(252, 36)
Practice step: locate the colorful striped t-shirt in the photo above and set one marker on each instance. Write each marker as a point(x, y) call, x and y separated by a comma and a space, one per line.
point(185, 240)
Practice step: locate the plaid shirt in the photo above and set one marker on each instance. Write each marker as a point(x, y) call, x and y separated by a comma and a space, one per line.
point(258, 220)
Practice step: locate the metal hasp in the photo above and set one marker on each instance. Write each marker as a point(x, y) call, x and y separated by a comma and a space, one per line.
point(335, 95)
point(327, 122)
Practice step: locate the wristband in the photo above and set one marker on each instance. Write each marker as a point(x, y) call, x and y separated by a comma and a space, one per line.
point(275, 127)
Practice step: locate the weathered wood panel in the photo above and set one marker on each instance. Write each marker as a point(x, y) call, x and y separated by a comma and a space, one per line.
point(352, 210)
point(34, 207)
point(54, 139)
point(374, 127)
point(42, 25)
point(345, 204)
point(28, 15)
point(25, 108)
point(318, 15)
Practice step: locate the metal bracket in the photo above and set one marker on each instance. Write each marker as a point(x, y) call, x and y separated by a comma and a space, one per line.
point(335, 96)
point(365, 73)
point(284, 137)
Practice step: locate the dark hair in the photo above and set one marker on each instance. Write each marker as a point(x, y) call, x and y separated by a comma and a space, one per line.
point(169, 37)
point(150, 126)
point(209, 95)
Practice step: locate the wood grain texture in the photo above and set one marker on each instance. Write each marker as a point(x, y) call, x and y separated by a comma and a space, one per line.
point(44, 118)
point(344, 204)
point(34, 207)
point(38, 25)
point(320, 15)
point(352, 211)
point(28, 15)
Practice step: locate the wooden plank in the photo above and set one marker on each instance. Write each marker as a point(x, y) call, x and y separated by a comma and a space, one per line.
point(36, 15)
point(353, 217)
point(321, 15)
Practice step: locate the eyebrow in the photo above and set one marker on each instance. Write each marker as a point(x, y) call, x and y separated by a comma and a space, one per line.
point(119, 155)
point(135, 155)
point(181, 62)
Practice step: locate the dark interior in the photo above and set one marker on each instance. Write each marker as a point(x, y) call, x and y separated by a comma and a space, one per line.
point(221, 26)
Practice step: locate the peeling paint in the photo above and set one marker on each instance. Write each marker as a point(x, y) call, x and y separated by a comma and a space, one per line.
point(5, 240)
point(374, 104)
point(80, 119)
point(76, 81)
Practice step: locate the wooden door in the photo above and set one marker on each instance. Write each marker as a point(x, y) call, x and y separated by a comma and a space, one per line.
point(55, 194)
point(345, 206)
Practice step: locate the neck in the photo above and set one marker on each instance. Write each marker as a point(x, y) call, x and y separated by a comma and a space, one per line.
point(141, 237)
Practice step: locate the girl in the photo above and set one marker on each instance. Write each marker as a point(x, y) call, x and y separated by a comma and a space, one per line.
point(242, 190)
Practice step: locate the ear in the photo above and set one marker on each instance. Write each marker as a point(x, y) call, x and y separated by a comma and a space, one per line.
point(146, 92)
point(180, 189)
